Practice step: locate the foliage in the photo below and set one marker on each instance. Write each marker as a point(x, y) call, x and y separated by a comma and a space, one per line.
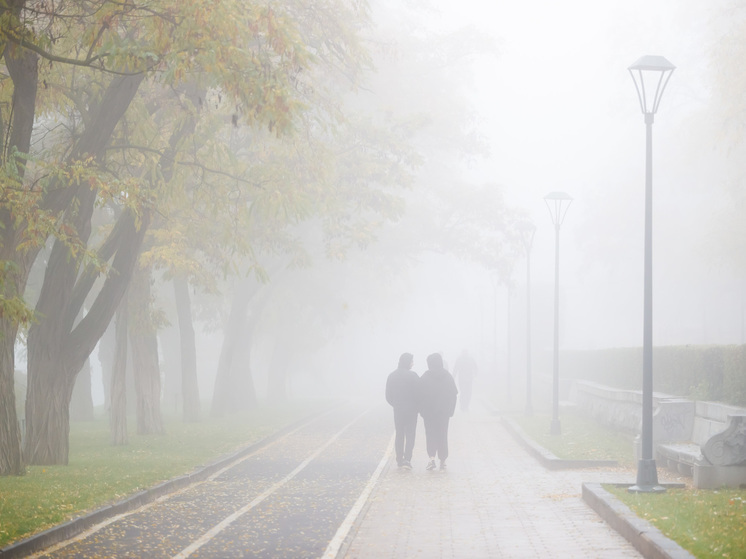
point(200, 103)
point(715, 373)
point(474, 223)
point(709, 524)
point(99, 473)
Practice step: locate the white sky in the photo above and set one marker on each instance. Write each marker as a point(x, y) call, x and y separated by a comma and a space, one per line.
point(561, 113)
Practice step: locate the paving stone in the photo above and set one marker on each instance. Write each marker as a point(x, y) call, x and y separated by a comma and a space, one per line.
point(495, 500)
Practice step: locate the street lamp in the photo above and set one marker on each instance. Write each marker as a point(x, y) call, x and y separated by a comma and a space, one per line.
point(526, 229)
point(558, 204)
point(651, 75)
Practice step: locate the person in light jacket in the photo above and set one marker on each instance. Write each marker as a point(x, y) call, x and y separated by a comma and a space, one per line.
point(402, 393)
point(438, 395)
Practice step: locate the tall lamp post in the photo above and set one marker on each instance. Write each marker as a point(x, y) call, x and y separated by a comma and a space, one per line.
point(651, 75)
point(526, 229)
point(558, 204)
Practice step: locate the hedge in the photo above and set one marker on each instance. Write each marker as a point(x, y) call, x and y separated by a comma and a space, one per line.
point(716, 373)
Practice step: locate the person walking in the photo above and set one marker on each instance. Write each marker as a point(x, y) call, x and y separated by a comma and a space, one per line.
point(438, 395)
point(402, 393)
point(464, 371)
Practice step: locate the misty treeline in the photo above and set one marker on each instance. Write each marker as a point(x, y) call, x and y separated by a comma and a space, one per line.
point(154, 150)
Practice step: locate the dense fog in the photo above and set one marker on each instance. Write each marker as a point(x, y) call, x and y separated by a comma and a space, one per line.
point(545, 96)
point(558, 111)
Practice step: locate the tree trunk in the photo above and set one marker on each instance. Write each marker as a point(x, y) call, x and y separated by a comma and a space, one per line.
point(11, 459)
point(57, 344)
point(118, 391)
point(244, 397)
point(81, 404)
point(22, 65)
point(58, 347)
point(234, 384)
point(189, 385)
point(106, 350)
point(147, 374)
point(234, 387)
point(147, 382)
point(170, 347)
point(277, 381)
point(48, 408)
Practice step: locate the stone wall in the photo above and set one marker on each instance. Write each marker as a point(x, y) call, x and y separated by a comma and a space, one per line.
point(706, 440)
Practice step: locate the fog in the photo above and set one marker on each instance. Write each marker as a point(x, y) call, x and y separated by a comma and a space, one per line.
point(555, 107)
point(558, 110)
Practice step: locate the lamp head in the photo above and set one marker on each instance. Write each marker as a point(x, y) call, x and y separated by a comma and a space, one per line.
point(558, 203)
point(650, 74)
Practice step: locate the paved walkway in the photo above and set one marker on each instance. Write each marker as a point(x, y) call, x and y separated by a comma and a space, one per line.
point(495, 501)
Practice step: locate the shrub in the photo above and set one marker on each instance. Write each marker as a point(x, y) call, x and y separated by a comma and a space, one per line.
point(716, 373)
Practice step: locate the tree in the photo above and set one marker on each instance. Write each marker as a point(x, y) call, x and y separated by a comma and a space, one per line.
point(255, 73)
point(728, 29)
point(22, 68)
point(143, 325)
point(81, 403)
point(118, 407)
point(234, 387)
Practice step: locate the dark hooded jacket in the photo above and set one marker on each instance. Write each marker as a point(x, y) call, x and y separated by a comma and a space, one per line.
point(402, 386)
point(437, 389)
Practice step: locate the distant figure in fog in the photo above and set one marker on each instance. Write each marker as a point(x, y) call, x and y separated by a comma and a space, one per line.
point(402, 393)
point(438, 394)
point(464, 371)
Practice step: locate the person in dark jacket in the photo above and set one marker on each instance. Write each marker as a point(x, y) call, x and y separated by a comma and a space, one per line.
point(438, 395)
point(402, 393)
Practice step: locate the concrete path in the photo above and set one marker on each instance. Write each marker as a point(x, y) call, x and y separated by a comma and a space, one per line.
point(494, 501)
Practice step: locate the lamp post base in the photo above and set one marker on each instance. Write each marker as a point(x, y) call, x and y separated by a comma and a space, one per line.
point(555, 428)
point(647, 478)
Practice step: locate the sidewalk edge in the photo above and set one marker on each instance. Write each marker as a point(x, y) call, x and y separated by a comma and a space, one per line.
point(645, 537)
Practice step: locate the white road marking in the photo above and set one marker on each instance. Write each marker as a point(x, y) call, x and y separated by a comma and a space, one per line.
point(103, 524)
point(215, 530)
point(333, 548)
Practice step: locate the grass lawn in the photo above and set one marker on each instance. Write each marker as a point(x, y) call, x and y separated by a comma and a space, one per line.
point(706, 523)
point(100, 474)
point(581, 439)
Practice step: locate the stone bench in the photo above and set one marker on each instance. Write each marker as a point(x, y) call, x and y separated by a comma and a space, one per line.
point(703, 440)
point(679, 457)
point(717, 441)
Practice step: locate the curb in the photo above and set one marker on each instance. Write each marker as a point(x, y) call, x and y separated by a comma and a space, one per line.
point(72, 528)
point(645, 537)
point(548, 459)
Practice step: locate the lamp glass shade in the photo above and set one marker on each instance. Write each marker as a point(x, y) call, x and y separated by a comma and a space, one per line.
point(558, 203)
point(651, 74)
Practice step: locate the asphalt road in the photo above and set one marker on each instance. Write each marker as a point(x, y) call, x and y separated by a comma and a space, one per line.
point(288, 499)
